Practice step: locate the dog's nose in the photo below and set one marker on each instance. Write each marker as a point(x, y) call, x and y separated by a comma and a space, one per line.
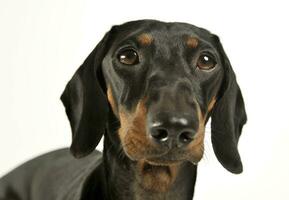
point(169, 129)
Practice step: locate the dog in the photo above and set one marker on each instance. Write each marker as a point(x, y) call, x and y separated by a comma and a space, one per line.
point(149, 87)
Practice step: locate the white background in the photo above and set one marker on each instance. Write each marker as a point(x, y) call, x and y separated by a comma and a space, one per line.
point(42, 43)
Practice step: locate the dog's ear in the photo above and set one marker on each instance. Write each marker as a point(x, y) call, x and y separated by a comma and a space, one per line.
point(228, 117)
point(86, 103)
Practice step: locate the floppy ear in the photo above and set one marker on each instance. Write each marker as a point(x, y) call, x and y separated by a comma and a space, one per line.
point(86, 103)
point(227, 119)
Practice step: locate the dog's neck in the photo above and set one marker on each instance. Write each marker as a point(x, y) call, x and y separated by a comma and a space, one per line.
point(123, 180)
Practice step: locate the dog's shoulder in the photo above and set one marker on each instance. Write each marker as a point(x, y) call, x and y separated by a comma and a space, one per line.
point(50, 175)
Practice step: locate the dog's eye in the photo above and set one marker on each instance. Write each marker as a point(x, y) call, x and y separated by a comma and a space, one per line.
point(128, 57)
point(206, 62)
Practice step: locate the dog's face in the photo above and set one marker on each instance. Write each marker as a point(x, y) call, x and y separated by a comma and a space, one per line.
point(162, 81)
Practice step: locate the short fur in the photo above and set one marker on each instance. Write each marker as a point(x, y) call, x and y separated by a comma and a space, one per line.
point(106, 97)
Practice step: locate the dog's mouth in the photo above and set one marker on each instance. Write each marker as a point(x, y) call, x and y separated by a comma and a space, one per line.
point(173, 157)
point(153, 168)
point(164, 161)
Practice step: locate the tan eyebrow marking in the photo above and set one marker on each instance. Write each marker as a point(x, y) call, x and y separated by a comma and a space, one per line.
point(192, 42)
point(145, 39)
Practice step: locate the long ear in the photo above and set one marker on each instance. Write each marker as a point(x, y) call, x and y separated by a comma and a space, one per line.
point(228, 117)
point(86, 103)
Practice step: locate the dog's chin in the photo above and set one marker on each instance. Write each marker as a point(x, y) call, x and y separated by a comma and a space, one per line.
point(156, 176)
point(158, 173)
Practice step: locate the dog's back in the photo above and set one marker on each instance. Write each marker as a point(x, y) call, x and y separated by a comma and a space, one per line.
point(56, 174)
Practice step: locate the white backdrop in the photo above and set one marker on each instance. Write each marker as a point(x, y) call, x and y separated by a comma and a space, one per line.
point(42, 43)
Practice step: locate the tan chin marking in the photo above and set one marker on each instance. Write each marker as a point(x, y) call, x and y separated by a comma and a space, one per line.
point(156, 178)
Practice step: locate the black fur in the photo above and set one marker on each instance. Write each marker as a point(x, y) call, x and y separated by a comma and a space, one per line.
point(168, 79)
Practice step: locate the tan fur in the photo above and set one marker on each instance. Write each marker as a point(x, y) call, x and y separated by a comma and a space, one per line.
point(196, 146)
point(145, 39)
point(137, 145)
point(132, 132)
point(192, 42)
point(158, 180)
point(211, 104)
point(111, 100)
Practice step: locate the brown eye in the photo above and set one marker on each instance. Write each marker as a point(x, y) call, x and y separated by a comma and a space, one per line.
point(206, 62)
point(128, 57)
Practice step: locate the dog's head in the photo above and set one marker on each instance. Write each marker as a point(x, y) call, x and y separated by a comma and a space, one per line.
point(162, 81)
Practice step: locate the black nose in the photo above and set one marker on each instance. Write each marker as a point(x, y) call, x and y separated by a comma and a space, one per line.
point(169, 129)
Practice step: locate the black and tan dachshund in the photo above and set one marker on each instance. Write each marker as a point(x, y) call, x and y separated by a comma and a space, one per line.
point(149, 87)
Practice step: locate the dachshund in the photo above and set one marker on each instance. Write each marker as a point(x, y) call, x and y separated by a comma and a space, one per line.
point(149, 87)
